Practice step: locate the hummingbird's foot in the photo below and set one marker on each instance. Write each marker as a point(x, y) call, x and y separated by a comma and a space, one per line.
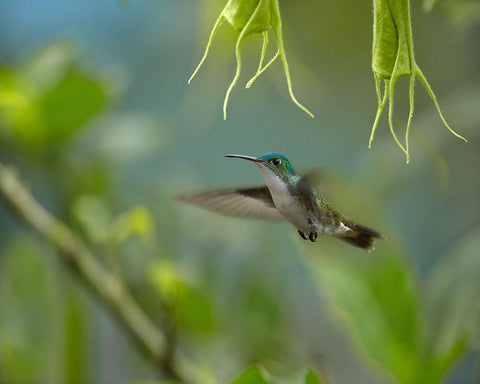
point(313, 236)
point(302, 235)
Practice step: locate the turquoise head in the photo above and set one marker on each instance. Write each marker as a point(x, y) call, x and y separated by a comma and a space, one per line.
point(272, 163)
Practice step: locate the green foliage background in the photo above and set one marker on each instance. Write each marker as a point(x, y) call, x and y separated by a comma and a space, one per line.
point(96, 116)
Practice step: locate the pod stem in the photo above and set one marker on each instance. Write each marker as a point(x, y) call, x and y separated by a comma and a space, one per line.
point(277, 28)
point(411, 96)
point(260, 70)
point(430, 92)
point(391, 92)
point(237, 73)
point(381, 105)
point(209, 44)
point(238, 58)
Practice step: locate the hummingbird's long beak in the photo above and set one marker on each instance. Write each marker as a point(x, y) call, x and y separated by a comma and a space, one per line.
point(250, 158)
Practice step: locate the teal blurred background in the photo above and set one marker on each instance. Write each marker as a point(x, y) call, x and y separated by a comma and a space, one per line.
point(97, 117)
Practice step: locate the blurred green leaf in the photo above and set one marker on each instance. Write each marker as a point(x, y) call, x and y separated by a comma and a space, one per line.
point(101, 227)
point(69, 105)
point(137, 221)
point(47, 67)
point(164, 276)
point(463, 14)
point(312, 378)
point(253, 375)
point(49, 100)
point(76, 326)
point(260, 322)
point(94, 217)
point(376, 299)
point(11, 100)
point(86, 177)
point(429, 4)
point(154, 382)
point(26, 297)
point(192, 309)
point(452, 300)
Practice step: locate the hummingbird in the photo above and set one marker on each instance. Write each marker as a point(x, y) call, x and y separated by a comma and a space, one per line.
point(286, 196)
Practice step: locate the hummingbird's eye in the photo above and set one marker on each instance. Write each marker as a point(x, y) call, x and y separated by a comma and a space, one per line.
point(276, 161)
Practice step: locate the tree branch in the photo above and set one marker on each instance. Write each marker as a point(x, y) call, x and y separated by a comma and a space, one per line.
point(108, 288)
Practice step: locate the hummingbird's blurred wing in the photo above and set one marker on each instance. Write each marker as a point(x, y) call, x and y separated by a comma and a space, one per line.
point(323, 181)
point(251, 203)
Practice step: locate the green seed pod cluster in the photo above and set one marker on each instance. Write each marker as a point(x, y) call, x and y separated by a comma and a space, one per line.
point(249, 17)
point(393, 58)
point(239, 12)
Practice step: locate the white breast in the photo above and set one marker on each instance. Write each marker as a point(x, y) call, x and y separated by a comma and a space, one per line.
point(279, 191)
point(287, 204)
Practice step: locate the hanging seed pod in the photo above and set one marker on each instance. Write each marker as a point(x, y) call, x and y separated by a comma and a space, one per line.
point(249, 17)
point(392, 58)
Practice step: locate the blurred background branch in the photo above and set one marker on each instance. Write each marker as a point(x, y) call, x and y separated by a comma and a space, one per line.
point(75, 253)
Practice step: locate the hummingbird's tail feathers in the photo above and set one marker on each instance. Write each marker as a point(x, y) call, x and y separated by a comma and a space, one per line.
point(367, 231)
point(361, 237)
point(364, 242)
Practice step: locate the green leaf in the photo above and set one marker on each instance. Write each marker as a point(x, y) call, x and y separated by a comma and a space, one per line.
point(76, 326)
point(47, 67)
point(164, 276)
point(94, 217)
point(375, 298)
point(100, 227)
point(191, 308)
point(137, 221)
point(68, 106)
point(312, 378)
point(462, 14)
point(253, 375)
point(452, 301)
point(27, 305)
point(49, 99)
point(11, 100)
point(154, 382)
